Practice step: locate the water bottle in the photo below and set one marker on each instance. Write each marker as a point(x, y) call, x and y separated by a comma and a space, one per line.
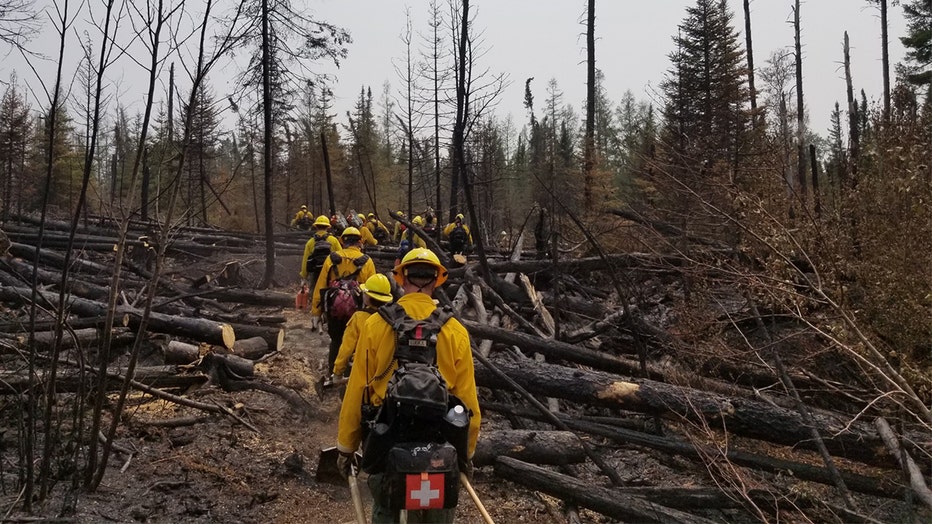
point(457, 417)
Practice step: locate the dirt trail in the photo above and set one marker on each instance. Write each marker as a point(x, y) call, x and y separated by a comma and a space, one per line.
point(219, 470)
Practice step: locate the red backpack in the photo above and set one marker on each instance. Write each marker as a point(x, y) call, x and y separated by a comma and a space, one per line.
point(343, 297)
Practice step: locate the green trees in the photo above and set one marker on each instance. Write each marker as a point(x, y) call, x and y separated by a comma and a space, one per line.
point(201, 171)
point(14, 139)
point(917, 69)
point(706, 88)
point(705, 116)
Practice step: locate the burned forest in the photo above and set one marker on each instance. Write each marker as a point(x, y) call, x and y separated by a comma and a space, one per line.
point(682, 304)
point(605, 395)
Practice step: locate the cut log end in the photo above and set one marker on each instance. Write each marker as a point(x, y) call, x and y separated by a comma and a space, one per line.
point(227, 335)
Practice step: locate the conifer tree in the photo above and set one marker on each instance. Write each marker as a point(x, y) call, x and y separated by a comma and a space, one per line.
point(917, 66)
point(706, 89)
point(705, 119)
point(14, 137)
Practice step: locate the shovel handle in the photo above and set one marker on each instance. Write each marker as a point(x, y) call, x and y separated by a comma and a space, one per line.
point(357, 500)
point(475, 498)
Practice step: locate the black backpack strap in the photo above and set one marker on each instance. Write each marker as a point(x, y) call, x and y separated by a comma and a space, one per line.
point(401, 323)
point(359, 262)
point(394, 314)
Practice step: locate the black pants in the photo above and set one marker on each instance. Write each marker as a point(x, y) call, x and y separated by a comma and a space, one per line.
point(335, 328)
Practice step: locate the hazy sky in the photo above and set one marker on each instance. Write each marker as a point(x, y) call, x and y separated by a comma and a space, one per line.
point(545, 39)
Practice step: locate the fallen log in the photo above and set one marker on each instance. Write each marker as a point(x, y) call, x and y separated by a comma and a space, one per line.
point(875, 486)
point(216, 333)
point(223, 368)
point(72, 380)
point(741, 416)
point(536, 447)
point(274, 336)
point(52, 278)
point(178, 352)
point(255, 297)
point(20, 326)
point(85, 338)
point(607, 501)
point(57, 260)
point(552, 349)
point(252, 348)
point(910, 469)
point(574, 266)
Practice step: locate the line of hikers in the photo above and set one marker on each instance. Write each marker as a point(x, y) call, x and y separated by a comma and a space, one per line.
point(410, 403)
point(374, 232)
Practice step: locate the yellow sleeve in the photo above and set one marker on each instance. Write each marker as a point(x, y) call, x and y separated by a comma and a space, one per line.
point(322, 283)
point(308, 249)
point(368, 269)
point(454, 359)
point(376, 343)
point(367, 238)
point(350, 338)
point(447, 228)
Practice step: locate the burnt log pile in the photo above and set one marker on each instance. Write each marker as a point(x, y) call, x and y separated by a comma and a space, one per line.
point(205, 299)
point(577, 383)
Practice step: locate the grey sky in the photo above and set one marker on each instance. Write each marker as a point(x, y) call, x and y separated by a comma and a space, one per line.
point(545, 39)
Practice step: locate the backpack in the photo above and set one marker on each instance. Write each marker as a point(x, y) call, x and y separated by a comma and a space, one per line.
point(343, 297)
point(458, 238)
point(380, 234)
point(315, 261)
point(418, 408)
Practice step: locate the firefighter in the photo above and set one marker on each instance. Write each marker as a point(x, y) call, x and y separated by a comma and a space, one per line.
point(419, 274)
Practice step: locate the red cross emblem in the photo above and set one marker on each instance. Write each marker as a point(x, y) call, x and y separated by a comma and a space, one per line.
point(424, 491)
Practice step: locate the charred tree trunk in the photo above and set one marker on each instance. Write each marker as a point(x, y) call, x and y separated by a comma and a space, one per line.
point(800, 114)
point(268, 146)
point(589, 139)
point(537, 447)
point(607, 501)
point(553, 349)
point(204, 330)
point(740, 416)
point(885, 59)
point(750, 52)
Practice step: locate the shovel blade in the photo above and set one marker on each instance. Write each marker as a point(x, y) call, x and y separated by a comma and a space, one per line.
point(325, 384)
point(327, 470)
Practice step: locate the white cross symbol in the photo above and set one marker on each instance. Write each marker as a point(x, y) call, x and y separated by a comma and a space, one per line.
point(424, 495)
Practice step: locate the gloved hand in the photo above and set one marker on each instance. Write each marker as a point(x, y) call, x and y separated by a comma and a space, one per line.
point(468, 470)
point(346, 464)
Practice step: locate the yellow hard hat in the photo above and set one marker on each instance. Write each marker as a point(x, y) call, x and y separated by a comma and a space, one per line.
point(371, 215)
point(350, 232)
point(378, 287)
point(460, 216)
point(361, 217)
point(418, 221)
point(420, 255)
point(303, 206)
point(322, 221)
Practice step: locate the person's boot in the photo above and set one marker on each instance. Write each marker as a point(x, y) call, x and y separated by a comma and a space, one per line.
point(314, 323)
